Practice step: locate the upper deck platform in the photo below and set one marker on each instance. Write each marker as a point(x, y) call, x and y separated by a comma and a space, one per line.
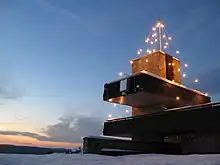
point(146, 89)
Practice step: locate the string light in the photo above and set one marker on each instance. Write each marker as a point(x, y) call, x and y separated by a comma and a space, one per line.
point(109, 115)
point(196, 80)
point(164, 36)
point(151, 42)
point(131, 62)
point(184, 75)
point(177, 52)
point(155, 40)
point(153, 28)
point(177, 97)
point(165, 47)
point(186, 65)
point(169, 38)
point(120, 74)
point(166, 43)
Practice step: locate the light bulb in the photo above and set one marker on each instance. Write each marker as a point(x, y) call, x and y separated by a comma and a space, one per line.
point(154, 50)
point(120, 74)
point(178, 70)
point(149, 51)
point(177, 52)
point(110, 100)
point(206, 94)
point(110, 115)
point(158, 24)
point(169, 64)
point(153, 28)
point(184, 75)
point(164, 36)
point(138, 52)
point(166, 43)
point(151, 42)
point(173, 64)
point(186, 65)
point(146, 60)
point(131, 62)
point(155, 40)
point(196, 80)
point(165, 47)
point(177, 97)
point(161, 25)
point(169, 38)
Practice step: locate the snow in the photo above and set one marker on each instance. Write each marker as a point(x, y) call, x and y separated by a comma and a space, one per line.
point(151, 159)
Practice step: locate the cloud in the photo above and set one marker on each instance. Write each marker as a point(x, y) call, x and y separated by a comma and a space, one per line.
point(72, 129)
point(69, 129)
point(27, 134)
point(58, 8)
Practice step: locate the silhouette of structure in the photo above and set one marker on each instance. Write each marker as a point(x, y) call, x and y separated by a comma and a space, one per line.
point(167, 117)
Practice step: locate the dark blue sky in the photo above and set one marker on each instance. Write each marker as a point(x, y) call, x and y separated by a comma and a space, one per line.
point(56, 55)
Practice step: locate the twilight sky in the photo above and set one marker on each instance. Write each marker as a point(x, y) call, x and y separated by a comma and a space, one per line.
point(56, 56)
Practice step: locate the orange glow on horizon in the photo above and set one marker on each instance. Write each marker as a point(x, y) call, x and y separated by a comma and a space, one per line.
point(29, 141)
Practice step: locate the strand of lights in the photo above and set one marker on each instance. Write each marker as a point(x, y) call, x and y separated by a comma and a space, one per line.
point(158, 38)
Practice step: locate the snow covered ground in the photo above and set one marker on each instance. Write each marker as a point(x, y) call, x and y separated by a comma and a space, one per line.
point(61, 159)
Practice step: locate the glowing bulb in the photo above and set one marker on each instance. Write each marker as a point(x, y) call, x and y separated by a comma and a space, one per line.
point(115, 105)
point(177, 52)
point(165, 47)
point(206, 94)
point(110, 100)
point(177, 97)
point(151, 42)
point(154, 50)
point(147, 40)
point(164, 36)
point(153, 28)
point(155, 40)
point(120, 74)
point(162, 25)
point(173, 80)
point(158, 24)
point(166, 43)
point(173, 64)
point(178, 70)
point(110, 115)
point(186, 65)
point(127, 111)
point(146, 60)
point(169, 38)
point(138, 52)
point(196, 80)
point(149, 51)
point(184, 75)
point(169, 64)
point(131, 62)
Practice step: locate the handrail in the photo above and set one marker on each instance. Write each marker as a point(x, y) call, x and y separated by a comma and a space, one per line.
point(185, 108)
